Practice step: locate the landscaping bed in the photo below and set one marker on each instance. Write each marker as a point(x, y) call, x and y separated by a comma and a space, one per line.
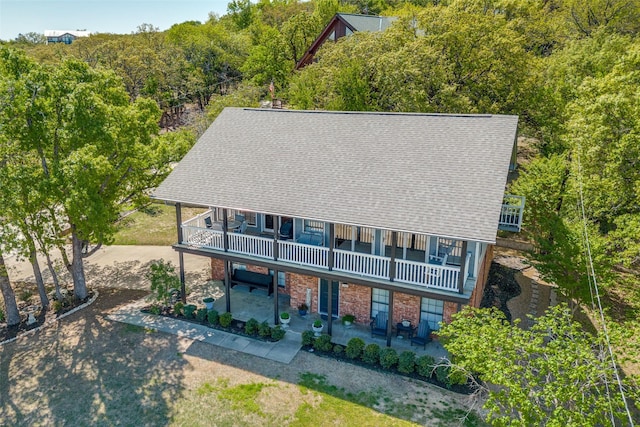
point(386, 359)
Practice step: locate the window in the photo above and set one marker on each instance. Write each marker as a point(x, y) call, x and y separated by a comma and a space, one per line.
point(379, 301)
point(281, 278)
point(313, 226)
point(250, 217)
point(431, 310)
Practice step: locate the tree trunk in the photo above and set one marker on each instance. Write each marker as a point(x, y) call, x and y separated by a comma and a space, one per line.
point(54, 277)
point(10, 305)
point(33, 257)
point(77, 266)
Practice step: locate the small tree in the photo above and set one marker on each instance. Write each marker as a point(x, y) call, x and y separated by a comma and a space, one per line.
point(163, 278)
point(555, 373)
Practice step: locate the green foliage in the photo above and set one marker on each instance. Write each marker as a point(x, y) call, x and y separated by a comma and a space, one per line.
point(317, 323)
point(201, 314)
point(323, 343)
point(277, 333)
point(177, 308)
point(552, 373)
point(355, 347)
point(155, 309)
point(56, 306)
point(251, 327)
point(425, 365)
point(371, 354)
point(307, 338)
point(213, 317)
point(225, 319)
point(388, 357)
point(407, 362)
point(2, 315)
point(189, 311)
point(284, 315)
point(264, 330)
point(338, 349)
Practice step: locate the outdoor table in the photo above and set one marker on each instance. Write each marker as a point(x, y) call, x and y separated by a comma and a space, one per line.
point(401, 329)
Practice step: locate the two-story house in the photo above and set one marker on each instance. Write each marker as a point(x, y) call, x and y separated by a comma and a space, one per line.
point(350, 212)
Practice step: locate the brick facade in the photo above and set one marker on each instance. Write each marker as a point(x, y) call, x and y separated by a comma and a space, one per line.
point(217, 269)
point(407, 307)
point(297, 285)
point(356, 300)
point(483, 274)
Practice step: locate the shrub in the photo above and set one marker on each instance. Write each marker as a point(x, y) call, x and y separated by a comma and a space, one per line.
point(323, 343)
point(450, 376)
point(213, 317)
point(284, 315)
point(338, 349)
point(251, 327)
point(201, 314)
point(348, 318)
point(189, 310)
point(354, 348)
point(163, 278)
point(371, 354)
point(264, 330)
point(307, 337)
point(226, 319)
point(407, 362)
point(57, 306)
point(317, 323)
point(277, 333)
point(388, 357)
point(177, 308)
point(442, 374)
point(424, 365)
point(155, 309)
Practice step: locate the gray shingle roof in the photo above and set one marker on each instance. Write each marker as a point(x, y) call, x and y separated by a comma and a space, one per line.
point(368, 22)
point(424, 173)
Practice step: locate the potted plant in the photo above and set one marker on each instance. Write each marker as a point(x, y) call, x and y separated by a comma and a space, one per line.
point(317, 327)
point(348, 319)
point(302, 309)
point(285, 318)
point(208, 302)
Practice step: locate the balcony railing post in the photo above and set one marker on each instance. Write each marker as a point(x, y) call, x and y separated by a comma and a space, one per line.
point(332, 245)
point(225, 235)
point(463, 263)
point(392, 261)
point(276, 231)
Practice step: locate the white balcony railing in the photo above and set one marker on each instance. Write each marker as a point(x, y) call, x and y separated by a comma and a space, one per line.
point(511, 214)
point(430, 275)
point(363, 264)
point(359, 263)
point(298, 253)
point(251, 245)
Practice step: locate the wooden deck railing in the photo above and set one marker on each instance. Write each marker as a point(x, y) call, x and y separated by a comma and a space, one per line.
point(411, 272)
point(511, 214)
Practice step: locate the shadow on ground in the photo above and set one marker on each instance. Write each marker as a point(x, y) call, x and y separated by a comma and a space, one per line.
point(86, 370)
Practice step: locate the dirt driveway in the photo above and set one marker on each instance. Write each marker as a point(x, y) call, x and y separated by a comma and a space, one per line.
point(87, 370)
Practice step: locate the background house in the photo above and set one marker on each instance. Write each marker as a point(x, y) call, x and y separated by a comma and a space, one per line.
point(341, 25)
point(64, 36)
point(348, 212)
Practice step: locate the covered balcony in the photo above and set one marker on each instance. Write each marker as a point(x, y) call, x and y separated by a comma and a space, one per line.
point(417, 260)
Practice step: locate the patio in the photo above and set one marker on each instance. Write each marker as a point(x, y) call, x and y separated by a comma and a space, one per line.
point(246, 305)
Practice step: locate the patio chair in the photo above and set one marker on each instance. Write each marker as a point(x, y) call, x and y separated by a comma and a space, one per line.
point(207, 222)
point(242, 228)
point(286, 230)
point(239, 217)
point(379, 324)
point(422, 334)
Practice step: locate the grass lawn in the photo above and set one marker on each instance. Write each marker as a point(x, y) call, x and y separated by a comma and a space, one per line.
point(153, 225)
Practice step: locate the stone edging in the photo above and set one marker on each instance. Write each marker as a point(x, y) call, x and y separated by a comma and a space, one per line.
point(62, 316)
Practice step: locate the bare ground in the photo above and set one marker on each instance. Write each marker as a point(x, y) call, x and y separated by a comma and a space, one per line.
point(87, 370)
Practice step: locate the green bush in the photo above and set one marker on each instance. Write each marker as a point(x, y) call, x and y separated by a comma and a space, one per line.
point(251, 327)
point(57, 306)
point(277, 333)
point(338, 349)
point(264, 330)
point(442, 374)
point(354, 349)
point(307, 337)
point(226, 319)
point(177, 308)
point(213, 317)
point(163, 277)
point(388, 357)
point(189, 310)
point(407, 362)
point(155, 309)
point(201, 314)
point(371, 354)
point(424, 365)
point(323, 343)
